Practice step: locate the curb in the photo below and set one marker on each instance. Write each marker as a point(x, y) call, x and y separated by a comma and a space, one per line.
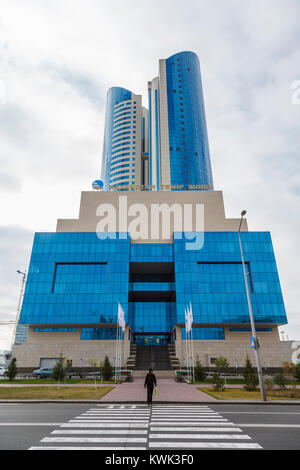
point(212, 403)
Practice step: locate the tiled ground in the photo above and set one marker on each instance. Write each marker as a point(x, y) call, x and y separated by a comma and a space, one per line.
point(168, 390)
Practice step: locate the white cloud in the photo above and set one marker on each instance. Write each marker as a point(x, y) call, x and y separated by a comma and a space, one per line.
point(57, 60)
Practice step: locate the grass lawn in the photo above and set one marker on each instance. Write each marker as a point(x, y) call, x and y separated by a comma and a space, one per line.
point(231, 381)
point(52, 381)
point(242, 394)
point(55, 392)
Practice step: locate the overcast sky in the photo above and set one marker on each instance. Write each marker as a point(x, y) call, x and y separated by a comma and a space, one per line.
point(59, 57)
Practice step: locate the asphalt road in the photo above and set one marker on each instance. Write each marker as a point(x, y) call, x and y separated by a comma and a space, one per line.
point(54, 425)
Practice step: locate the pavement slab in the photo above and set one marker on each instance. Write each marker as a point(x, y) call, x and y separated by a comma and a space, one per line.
point(168, 391)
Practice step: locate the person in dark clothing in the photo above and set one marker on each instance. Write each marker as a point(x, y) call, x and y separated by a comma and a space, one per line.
point(150, 383)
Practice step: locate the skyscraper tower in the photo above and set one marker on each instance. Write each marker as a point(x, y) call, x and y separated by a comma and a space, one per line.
point(167, 147)
point(122, 149)
point(179, 151)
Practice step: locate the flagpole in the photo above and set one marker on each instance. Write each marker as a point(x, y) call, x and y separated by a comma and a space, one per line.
point(190, 353)
point(119, 358)
point(121, 347)
point(186, 343)
point(193, 369)
point(116, 358)
point(192, 319)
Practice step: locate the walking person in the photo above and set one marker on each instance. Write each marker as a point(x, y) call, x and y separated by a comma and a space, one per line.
point(150, 383)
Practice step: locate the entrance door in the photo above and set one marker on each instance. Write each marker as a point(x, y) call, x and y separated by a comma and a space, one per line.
point(151, 340)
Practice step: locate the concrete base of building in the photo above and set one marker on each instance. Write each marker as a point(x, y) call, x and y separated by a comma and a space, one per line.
point(236, 346)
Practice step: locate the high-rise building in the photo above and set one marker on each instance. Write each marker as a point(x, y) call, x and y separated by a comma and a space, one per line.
point(123, 145)
point(179, 151)
point(167, 146)
point(154, 252)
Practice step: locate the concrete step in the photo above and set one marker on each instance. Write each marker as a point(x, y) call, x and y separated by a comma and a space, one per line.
point(158, 373)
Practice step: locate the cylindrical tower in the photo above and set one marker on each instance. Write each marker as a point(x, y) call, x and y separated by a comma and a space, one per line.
point(121, 160)
point(183, 153)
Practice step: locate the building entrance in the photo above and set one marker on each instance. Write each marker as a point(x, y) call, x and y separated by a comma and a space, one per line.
point(151, 339)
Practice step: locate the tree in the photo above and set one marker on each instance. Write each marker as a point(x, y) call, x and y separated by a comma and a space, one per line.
point(221, 364)
point(218, 382)
point(200, 372)
point(59, 370)
point(107, 369)
point(12, 369)
point(281, 381)
point(94, 364)
point(297, 371)
point(250, 378)
point(289, 370)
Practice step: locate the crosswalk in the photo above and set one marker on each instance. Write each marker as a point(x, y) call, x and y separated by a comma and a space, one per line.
point(139, 427)
point(104, 427)
point(194, 427)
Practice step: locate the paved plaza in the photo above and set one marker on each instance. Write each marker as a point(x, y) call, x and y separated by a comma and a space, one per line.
point(168, 391)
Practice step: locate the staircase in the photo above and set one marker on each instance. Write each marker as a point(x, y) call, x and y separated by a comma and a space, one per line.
point(131, 361)
point(154, 357)
point(173, 360)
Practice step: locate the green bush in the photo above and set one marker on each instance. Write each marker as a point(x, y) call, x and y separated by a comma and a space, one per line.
point(297, 371)
point(281, 380)
point(221, 364)
point(200, 372)
point(218, 382)
point(269, 383)
point(107, 369)
point(59, 370)
point(250, 378)
point(12, 369)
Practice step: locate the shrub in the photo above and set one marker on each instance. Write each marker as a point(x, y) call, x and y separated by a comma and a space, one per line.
point(297, 371)
point(107, 369)
point(218, 382)
point(250, 378)
point(269, 384)
point(12, 369)
point(200, 372)
point(281, 380)
point(59, 370)
point(221, 364)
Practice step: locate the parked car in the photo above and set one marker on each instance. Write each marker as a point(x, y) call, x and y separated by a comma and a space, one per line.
point(42, 373)
point(2, 371)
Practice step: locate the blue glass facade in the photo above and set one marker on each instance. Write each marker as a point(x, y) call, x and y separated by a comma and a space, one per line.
point(94, 278)
point(212, 279)
point(189, 151)
point(78, 279)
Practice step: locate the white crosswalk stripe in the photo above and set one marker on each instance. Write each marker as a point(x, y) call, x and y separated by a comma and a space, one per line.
point(106, 427)
point(138, 427)
point(194, 427)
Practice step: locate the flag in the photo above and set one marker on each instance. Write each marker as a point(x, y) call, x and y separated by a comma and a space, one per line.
point(121, 317)
point(191, 313)
point(189, 318)
point(186, 320)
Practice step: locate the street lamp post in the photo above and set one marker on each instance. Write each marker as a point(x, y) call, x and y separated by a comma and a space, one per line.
point(255, 339)
point(19, 307)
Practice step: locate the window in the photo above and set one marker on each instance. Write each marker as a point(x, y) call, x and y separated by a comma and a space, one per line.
point(79, 278)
